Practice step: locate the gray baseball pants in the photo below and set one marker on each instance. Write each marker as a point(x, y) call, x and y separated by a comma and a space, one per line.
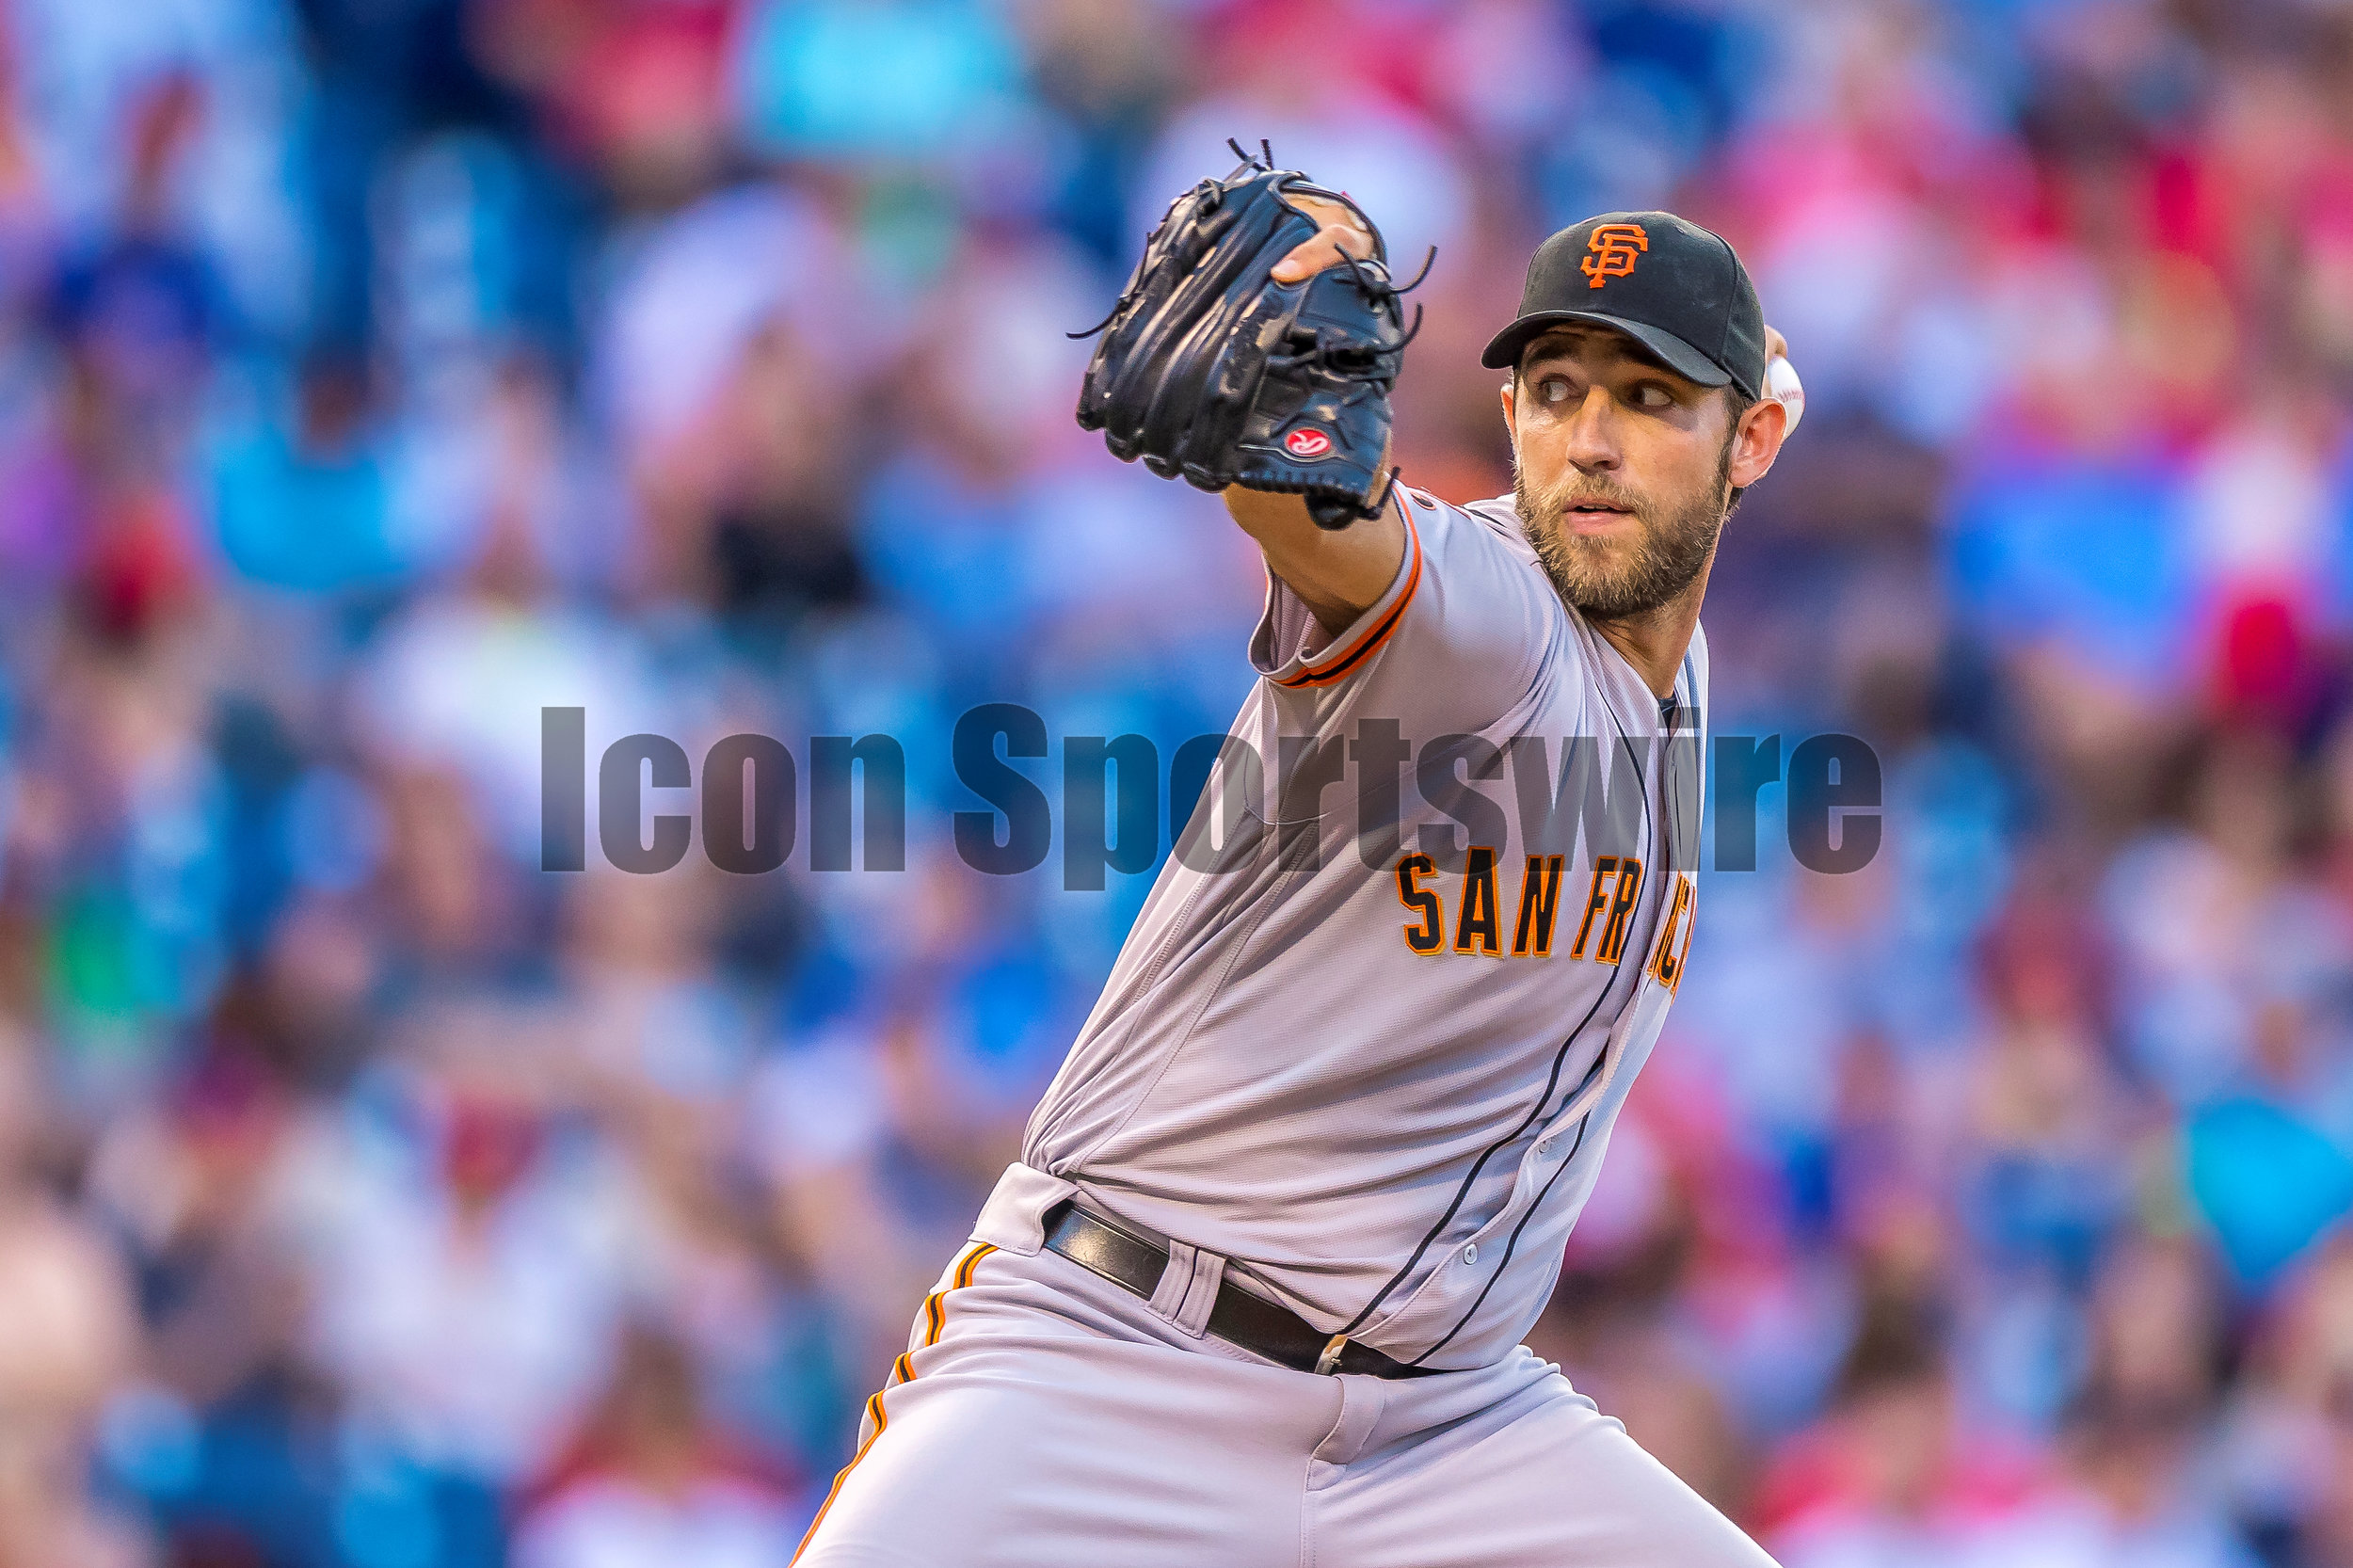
point(1043, 1417)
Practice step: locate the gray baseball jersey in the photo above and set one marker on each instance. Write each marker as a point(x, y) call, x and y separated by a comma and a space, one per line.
point(1368, 1037)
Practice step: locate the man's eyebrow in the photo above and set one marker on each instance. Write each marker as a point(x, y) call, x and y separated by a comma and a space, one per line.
point(1616, 344)
point(1557, 345)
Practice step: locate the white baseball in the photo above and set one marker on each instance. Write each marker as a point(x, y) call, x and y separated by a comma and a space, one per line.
point(1781, 382)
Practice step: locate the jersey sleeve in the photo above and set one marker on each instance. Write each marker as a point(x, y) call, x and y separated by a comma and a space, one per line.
point(1464, 627)
point(1290, 650)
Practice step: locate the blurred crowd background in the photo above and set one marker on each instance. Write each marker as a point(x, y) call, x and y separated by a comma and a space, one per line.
point(374, 372)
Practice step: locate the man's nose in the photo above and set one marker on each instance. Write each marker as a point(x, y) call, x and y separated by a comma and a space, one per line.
point(1592, 433)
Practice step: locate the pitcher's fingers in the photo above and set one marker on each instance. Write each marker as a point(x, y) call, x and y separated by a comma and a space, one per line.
point(1312, 256)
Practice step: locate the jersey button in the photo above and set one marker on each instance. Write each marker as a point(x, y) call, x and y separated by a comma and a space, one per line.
point(1470, 1252)
point(1545, 1147)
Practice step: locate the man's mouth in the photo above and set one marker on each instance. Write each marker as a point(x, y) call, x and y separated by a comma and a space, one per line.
point(1593, 515)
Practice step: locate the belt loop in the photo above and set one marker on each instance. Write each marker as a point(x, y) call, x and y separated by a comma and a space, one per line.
point(1208, 1278)
point(1168, 1297)
point(1014, 1218)
point(1188, 1289)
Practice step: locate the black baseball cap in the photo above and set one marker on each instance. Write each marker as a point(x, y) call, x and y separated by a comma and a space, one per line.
point(1669, 284)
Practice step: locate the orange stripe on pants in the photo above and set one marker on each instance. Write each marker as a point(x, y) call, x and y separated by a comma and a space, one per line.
point(902, 1370)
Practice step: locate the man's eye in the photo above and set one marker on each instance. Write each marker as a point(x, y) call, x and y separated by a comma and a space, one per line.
point(1651, 395)
point(1553, 390)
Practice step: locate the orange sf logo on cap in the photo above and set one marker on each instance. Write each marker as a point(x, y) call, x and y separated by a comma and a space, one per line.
point(1613, 246)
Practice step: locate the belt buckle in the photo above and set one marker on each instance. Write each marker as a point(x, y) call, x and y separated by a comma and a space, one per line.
point(1328, 1364)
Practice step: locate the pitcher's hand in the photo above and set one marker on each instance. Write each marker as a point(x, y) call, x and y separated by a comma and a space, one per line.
point(1343, 232)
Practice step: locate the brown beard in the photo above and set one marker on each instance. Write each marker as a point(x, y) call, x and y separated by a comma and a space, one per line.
point(1671, 551)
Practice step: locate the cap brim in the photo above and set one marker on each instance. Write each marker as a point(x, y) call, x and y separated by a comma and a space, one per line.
point(1503, 352)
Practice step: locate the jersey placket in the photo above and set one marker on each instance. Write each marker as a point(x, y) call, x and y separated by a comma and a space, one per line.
point(1556, 1143)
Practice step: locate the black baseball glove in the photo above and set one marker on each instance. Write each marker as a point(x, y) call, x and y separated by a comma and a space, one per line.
point(1211, 371)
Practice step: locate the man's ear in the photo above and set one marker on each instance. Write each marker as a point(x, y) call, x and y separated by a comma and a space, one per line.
point(1511, 419)
point(1762, 430)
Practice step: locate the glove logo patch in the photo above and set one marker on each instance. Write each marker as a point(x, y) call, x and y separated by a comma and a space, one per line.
point(1614, 246)
point(1307, 445)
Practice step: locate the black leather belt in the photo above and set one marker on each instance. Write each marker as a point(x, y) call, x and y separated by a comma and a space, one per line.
point(1237, 1317)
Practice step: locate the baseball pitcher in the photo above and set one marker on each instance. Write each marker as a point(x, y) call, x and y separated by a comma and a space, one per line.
point(1254, 1294)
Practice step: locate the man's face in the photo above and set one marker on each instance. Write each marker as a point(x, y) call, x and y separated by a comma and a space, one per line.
point(1623, 469)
